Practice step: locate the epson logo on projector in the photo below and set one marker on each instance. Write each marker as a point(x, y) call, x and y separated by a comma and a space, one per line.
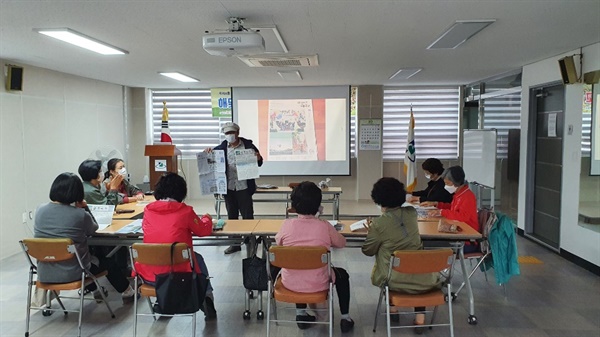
point(230, 39)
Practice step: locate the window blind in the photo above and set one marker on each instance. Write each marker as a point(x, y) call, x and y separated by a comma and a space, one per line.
point(502, 113)
point(191, 124)
point(435, 110)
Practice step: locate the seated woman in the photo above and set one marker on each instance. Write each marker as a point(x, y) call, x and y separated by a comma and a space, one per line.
point(67, 216)
point(395, 229)
point(463, 206)
point(90, 172)
point(127, 192)
point(435, 190)
point(308, 230)
point(169, 220)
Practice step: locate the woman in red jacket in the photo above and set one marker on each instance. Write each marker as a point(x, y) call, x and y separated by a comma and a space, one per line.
point(463, 206)
point(169, 220)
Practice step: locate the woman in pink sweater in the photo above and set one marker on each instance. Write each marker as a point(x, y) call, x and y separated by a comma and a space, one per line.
point(308, 230)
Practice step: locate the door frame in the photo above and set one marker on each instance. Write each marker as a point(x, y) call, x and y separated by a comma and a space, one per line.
point(530, 162)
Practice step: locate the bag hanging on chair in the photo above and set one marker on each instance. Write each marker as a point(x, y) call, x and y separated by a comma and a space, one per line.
point(180, 292)
point(254, 272)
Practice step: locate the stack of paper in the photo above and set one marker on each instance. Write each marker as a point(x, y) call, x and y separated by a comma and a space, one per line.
point(358, 225)
point(134, 227)
point(103, 214)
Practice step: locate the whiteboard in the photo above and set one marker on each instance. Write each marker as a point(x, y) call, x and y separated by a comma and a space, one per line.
point(479, 156)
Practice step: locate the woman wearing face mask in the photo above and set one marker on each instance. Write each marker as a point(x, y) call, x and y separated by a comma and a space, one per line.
point(463, 206)
point(127, 192)
point(90, 172)
point(435, 190)
point(395, 229)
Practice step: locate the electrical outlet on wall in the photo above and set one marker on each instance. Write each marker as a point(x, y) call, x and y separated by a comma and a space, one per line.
point(24, 217)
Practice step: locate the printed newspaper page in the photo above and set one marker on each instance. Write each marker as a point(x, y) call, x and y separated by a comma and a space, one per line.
point(292, 131)
point(246, 164)
point(211, 171)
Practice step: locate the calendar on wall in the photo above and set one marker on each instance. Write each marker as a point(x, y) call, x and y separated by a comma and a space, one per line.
point(370, 134)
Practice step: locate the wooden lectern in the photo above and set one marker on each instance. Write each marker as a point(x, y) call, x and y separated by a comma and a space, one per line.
point(163, 158)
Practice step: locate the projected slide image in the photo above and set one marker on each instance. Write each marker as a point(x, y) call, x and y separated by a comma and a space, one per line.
point(291, 130)
point(298, 130)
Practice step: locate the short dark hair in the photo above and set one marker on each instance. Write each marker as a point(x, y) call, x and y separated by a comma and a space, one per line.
point(455, 174)
point(388, 192)
point(170, 185)
point(433, 165)
point(89, 169)
point(111, 165)
point(66, 189)
point(306, 198)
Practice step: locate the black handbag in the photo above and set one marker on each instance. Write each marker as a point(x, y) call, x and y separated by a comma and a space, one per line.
point(180, 292)
point(254, 272)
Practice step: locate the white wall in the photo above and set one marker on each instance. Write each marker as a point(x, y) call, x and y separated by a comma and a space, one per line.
point(575, 239)
point(50, 127)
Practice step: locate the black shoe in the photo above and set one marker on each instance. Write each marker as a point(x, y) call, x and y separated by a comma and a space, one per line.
point(210, 312)
point(232, 249)
point(346, 325)
point(305, 318)
point(156, 309)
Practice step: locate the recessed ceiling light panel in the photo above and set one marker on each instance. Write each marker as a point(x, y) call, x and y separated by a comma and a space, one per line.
point(180, 77)
point(405, 73)
point(290, 76)
point(80, 40)
point(459, 32)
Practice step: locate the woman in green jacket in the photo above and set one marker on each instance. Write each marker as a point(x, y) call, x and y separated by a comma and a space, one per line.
point(395, 229)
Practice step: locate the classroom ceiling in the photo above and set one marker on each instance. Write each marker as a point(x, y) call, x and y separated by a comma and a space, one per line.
point(357, 42)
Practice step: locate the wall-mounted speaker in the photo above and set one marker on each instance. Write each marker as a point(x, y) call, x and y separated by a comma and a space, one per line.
point(14, 78)
point(591, 77)
point(568, 72)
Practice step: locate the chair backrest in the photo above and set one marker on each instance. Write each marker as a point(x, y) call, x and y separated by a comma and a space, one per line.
point(293, 185)
point(49, 250)
point(421, 261)
point(299, 257)
point(486, 218)
point(159, 254)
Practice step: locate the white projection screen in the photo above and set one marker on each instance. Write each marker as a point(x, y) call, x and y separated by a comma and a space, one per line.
point(298, 130)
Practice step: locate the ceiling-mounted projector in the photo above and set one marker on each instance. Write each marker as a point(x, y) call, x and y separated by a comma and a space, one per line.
point(237, 43)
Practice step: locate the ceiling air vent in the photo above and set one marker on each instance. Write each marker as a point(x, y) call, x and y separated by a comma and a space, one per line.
point(280, 61)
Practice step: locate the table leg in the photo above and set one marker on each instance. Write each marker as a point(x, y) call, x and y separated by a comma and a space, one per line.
point(336, 207)
point(458, 247)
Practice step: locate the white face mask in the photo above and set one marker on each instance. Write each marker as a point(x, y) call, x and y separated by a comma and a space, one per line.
point(230, 138)
point(428, 176)
point(123, 171)
point(450, 188)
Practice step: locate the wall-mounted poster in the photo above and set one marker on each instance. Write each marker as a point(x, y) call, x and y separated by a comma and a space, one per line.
point(370, 134)
point(221, 102)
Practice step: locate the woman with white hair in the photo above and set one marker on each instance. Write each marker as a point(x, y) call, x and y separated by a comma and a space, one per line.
point(464, 204)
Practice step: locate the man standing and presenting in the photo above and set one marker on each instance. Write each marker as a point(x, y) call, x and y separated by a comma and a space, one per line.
point(238, 199)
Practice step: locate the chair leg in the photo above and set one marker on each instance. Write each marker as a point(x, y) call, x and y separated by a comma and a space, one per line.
point(450, 315)
point(149, 301)
point(377, 310)
point(135, 309)
point(433, 315)
point(112, 314)
point(30, 284)
point(194, 325)
point(330, 309)
point(81, 295)
point(57, 296)
point(269, 293)
point(387, 311)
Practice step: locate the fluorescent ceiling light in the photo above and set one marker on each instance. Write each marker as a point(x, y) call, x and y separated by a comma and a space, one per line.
point(81, 40)
point(405, 73)
point(180, 77)
point(459, 32)
point(290, 76)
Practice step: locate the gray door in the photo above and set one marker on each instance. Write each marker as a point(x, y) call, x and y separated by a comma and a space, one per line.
point(545, 176)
